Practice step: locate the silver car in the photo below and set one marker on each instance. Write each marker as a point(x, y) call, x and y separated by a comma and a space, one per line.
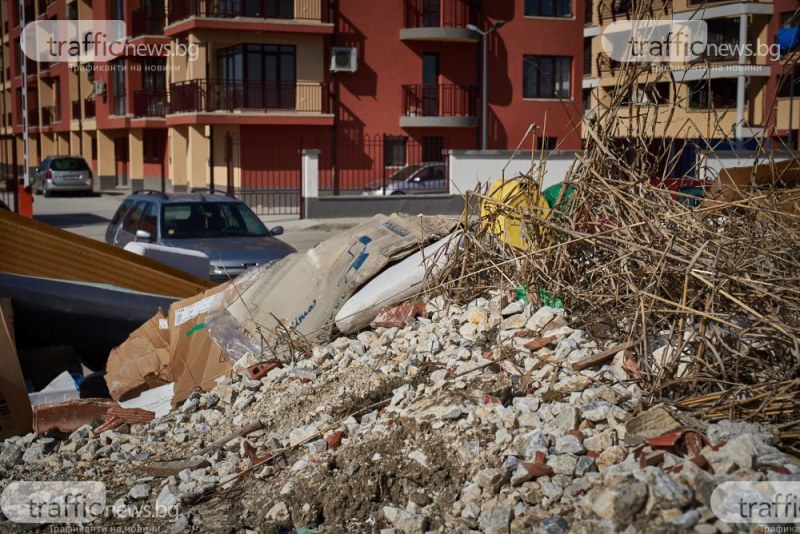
point(414, 179)
point(220, 226)
point(63, 173)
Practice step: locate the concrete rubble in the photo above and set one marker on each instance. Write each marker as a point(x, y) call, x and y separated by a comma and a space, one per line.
point(448, 424)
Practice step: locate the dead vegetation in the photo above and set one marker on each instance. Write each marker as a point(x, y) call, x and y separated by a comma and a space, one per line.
point(709, 296)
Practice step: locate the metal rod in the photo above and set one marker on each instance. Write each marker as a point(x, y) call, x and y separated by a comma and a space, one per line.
point(485, 93)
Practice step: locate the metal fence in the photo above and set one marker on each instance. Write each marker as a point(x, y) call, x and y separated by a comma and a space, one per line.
point(384, 165)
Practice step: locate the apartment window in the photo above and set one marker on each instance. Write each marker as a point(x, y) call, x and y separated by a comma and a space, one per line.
point(261, 76)
point(117, 9)
point(587, 57)
point(546, 143)
point(620, 7)
point(718, 94)
point(790, 19)
point(94, 148)
point(118, 86)
point(722, 41)
point(546, 76)
point(433, 148)
point(588, 12)
point(72, 11)
point(154, 79)
point(394, 151)
point(785, 83)
point(548, 8)
point(154, 146)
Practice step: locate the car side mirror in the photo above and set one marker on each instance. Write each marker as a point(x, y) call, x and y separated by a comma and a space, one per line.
point(143, 235)
point(276, 230)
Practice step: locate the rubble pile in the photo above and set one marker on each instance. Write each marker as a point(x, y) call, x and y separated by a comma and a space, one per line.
point(466, 418)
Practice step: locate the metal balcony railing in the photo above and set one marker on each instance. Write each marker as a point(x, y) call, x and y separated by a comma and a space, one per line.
point(441, 13)
point(625, 9)
point(303, 10)
point(440, 100)
point(196, 96)
point(148, 21)
point(150, 103)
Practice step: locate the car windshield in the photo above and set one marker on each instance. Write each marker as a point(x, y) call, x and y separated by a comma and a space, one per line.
point(69, 164)
point(191, 220)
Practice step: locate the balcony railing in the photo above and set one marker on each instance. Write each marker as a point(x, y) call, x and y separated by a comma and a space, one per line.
point(304, 10)
point(626, 9)
point(441, 13)
point(147, 21)
point(89, 108)
point(439, 100)
point(150, 104)
point(197, 96)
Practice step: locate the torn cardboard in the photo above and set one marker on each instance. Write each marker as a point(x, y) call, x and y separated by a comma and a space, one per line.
point(15, 407)
point(195, 360)
point(141, 362)
point(735, 183)
point(304, 292)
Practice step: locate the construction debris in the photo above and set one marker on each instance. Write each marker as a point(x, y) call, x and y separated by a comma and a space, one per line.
point(446, 423)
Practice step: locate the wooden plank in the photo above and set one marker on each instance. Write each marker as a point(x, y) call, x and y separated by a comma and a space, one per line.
point(15, 406)
point(31, 248)
point(601, 357)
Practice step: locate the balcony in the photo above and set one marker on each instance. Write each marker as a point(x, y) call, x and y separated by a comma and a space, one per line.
point(209, 96)
point(50, 114)
point(439, 106)
point(440, 20)
point(147, 21)
point(150, 104)
point(318, 11)
point(625, 9)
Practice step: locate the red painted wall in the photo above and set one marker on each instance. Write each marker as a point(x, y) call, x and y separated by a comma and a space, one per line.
point(372, 97)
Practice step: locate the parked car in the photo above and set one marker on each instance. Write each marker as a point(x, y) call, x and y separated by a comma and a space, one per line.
point(220, 226)
point(63, 173)
point(412, 179)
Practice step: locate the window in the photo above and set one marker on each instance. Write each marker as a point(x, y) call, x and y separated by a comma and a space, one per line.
point(722, 40)
point(588, 12)
point(546, 76)
point(546, 143)
point(587, 57)
point(785, 83)
point(154, 146)
point(652, 93)
point(718, 94)
point(210, 219)
point(790, 19)
point(548, 8)
point(394, 151)
point(150, 219)
point(121, 210)
point(259, 76)
point(118, 86)
point(132, 219)
point(433, 148)
point(94, 147)
point(587, 100)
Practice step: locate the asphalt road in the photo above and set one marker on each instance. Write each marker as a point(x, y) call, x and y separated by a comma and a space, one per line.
point(89, 217)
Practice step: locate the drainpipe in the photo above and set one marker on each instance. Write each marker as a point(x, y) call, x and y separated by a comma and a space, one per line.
point(740, 83)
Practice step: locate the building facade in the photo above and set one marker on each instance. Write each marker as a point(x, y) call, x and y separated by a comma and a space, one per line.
point(226, 93)
point(231, 92)
point(722, 96)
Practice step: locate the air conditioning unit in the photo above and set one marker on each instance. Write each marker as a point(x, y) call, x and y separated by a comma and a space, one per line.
point(344, 59)
point(99, 88)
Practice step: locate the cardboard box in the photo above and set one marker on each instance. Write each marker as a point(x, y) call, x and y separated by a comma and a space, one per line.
point(735, 181)
point(15, 407)
point(195, 360)
point(141, 362)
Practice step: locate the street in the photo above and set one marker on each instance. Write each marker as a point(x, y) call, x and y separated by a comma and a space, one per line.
point(89, 217)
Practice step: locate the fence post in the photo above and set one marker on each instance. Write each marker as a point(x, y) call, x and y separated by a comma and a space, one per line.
point(310, 185)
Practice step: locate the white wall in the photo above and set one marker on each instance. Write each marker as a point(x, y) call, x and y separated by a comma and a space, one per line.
point(469, 167)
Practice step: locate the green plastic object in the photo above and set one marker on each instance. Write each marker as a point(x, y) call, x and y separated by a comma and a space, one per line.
point(549, 300)
point(551, 194)
point(522, 293)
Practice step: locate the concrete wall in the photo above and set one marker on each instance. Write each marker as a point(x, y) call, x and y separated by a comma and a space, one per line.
point(469, 167)
point(356, 206)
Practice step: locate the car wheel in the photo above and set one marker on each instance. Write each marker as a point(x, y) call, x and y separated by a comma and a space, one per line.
point(47, 193)
point(397, 193)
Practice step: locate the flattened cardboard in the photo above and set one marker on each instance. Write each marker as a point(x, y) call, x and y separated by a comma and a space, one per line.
point(16, 417)
point(195, 360)
point(306, 291)
point(734, 181)
point(145, 354)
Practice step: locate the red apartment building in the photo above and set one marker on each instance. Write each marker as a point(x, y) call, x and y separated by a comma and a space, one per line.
point(261, 88)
